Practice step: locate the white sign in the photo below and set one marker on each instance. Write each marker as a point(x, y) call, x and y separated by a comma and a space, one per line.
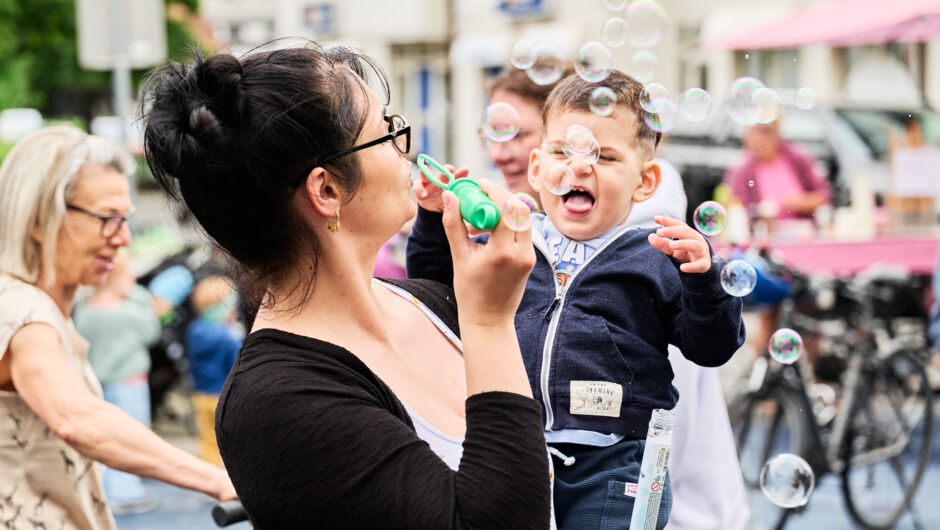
point(144, 27)
point(915, 171)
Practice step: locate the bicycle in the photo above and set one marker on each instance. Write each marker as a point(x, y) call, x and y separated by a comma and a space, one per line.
point(883, 423)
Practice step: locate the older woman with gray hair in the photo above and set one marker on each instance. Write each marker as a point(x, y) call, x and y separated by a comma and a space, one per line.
point(64, 203)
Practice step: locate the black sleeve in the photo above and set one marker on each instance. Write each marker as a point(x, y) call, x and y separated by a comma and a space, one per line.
point(427, 254)
point(315, 448)
point(708, 329)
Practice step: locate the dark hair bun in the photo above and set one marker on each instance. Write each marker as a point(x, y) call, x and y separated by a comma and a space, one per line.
point(219, 78)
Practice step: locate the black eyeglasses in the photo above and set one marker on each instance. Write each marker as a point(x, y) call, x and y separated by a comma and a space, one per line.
point(110, 223)
point(399, 131)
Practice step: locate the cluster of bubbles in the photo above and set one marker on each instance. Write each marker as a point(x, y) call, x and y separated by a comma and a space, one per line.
point(593, 63)
point(709, 218)
point(787, 480)
point(517, 212)
point(750, 102)
point(579, 142)
point(786, 346)
point(501, 123)
point(738, 278)
point(662, 112)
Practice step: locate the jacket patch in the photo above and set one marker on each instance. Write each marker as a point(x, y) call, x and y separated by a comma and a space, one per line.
point(596, 398)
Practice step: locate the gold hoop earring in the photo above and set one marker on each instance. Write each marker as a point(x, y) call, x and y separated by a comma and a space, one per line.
point(333, 224)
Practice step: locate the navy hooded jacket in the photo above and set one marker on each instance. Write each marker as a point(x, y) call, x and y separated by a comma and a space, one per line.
point(595, 349)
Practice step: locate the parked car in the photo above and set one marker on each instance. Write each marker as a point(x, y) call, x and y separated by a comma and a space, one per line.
point(846, 140)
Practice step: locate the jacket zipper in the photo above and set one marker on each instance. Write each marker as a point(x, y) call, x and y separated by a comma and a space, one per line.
point(555, 309)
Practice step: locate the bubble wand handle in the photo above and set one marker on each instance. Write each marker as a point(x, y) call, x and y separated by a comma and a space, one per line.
point(475, 206)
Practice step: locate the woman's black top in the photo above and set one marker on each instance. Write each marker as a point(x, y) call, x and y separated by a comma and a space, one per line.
point(313, 439)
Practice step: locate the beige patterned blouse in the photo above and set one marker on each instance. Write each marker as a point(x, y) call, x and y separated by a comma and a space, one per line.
point(44, 483)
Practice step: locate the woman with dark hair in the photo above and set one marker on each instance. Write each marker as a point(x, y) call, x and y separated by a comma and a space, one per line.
point(350, 405)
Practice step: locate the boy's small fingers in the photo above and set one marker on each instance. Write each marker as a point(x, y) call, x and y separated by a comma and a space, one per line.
point(461, 173)
point(688, 245)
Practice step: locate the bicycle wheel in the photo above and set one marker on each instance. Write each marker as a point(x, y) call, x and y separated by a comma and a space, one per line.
point(887, 444)
point(769, 425)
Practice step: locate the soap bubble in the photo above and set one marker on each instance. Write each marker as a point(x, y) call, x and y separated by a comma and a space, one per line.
point(643, 65)
point(548, 66)
point(528, 200)
point(738, 278)
point(664, 119)
point(710, 218)
point(696, 104)
point(739, 97)
point(615, 5)
point(764, 105)
point(647, 19)
point(516, 214)
point(502, 122)
point(523, 55)
point(579, 142)
point(805, 97)
point(593, 64)
point(653, 96)
point(615, 32)
point(603, 101)
point(786, 346)
point(787, 480)
point(560, 179)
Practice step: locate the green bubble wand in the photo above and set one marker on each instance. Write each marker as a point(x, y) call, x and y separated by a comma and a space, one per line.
point(475, 206)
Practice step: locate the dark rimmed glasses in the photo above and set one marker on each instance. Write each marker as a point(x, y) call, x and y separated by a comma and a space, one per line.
point(399, 132)
point(110, 222)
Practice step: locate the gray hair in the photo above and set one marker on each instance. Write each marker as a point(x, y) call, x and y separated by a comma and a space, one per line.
point(36, 181)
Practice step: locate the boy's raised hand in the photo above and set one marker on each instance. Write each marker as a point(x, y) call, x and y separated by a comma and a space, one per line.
point(683, 243)
point(429, 194)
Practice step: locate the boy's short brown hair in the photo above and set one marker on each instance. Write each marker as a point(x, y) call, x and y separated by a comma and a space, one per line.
point(574, 93)
point(517, 81)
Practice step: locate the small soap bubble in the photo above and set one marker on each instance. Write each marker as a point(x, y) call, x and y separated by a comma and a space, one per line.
point(786, 346)
point(528, 200)
point(647, 19)
point(805, 98)
point(653, 96)
point(593, 64)
point(710, 218)
point(643, 65)
point(696, 104)
point(664, 119)
point(615, 32)
point(738, 278)
point(603, 101)
point(764, 106)
point(739, 97)
point(516, 214)
point(548, 66)
point(523, 55)
point(615, 5)
point(787, 480)
point(560, 179)
point(750, 183)
point(579, 142)
point(502, 122)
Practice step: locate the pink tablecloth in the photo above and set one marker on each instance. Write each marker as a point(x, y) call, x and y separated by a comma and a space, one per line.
point(918, 254)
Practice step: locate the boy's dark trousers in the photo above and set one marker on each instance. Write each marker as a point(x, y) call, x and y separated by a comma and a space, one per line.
point(590, 493)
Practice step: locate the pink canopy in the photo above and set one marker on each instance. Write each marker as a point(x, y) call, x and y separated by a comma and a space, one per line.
point(842, 23)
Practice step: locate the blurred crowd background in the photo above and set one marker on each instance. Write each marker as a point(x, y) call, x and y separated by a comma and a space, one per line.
point(852, 87)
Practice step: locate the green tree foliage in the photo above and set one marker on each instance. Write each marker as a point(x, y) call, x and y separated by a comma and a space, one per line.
point(39, 54)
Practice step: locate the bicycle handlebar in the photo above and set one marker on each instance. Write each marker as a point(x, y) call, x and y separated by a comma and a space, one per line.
point(228, 513)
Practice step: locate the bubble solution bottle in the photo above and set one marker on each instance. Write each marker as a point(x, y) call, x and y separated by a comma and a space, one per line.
point(649, 491)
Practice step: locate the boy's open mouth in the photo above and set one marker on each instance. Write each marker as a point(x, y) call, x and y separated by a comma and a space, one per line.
point(578, 201)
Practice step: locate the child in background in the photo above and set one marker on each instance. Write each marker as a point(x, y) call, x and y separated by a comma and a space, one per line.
point(212, 341)
point(604, 301)
point(120, 323)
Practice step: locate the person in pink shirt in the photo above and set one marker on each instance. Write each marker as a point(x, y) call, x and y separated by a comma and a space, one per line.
point(777, 176)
